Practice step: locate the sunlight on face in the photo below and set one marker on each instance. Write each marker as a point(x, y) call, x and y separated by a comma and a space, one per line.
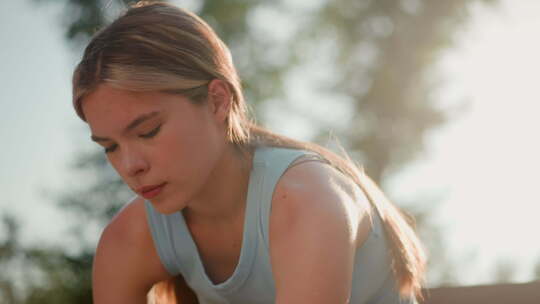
point(156, 140)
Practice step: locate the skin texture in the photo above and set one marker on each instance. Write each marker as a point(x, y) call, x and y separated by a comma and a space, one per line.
point(124, 243)
point(317, 221)
point(186, 132)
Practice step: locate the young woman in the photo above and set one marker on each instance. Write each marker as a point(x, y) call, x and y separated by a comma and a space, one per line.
point(226, 211)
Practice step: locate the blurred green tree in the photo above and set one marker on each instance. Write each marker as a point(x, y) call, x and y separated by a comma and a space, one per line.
point(504, 271)
point(375, 59)
point(9, 254)
point(536, 271)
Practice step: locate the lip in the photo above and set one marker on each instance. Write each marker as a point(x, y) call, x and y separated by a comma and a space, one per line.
point(151, 191)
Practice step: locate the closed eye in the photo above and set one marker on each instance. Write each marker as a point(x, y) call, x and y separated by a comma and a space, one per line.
point(147, 135)
point(110, 149)
point(151, 133)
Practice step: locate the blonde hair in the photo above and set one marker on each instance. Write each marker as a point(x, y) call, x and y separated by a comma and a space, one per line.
point(159, 47)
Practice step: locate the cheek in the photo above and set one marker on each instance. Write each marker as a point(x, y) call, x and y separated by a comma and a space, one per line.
point(188, 145)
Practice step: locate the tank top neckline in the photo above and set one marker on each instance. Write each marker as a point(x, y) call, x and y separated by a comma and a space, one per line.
point(249, 234)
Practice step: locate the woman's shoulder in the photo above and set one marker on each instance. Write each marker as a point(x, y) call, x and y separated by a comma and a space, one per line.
point(315, 221)
point(311, 181)
point(129, 225)
point(317, 192)
point(126, 250)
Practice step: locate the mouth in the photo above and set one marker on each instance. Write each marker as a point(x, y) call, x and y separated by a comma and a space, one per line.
point(149, 192)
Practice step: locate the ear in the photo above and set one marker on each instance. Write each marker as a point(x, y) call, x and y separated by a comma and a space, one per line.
point(219, 99)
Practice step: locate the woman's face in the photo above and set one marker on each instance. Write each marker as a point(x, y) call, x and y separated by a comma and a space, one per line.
point(156, 139)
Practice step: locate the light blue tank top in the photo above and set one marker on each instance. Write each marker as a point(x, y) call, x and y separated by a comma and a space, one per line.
point(252, 281)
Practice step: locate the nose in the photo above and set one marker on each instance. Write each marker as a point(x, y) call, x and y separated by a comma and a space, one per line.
point(134, 163)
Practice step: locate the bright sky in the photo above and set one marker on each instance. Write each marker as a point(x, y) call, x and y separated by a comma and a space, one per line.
point(482, 166)
point(37, 128)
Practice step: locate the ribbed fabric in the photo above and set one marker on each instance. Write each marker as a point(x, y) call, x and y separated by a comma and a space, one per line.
point(252, 281)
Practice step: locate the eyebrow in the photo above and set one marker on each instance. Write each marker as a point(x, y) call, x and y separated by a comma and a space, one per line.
point(132, 125)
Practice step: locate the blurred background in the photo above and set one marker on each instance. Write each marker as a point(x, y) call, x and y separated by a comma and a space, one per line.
point(437, 99)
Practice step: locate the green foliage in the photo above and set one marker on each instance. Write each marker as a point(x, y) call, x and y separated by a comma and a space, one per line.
point(67, 278)
point(504, 271)
point(9, 250)
point(392, 93)
point(536, 270)
point(41, 275)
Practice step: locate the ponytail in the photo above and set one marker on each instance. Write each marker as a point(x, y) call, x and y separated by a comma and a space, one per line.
point(408, 255)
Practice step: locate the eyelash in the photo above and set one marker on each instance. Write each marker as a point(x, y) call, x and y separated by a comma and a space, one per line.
point(147, 135)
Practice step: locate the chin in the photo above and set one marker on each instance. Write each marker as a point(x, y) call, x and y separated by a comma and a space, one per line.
point(166, 207)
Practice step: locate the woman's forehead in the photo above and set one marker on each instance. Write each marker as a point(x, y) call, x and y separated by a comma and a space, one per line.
point(109, 107)
point(131, 125)
point(108, 95)
point(106, 100)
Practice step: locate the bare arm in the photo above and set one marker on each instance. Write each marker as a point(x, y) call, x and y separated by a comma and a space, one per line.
point(314, 232)
point(126, 264)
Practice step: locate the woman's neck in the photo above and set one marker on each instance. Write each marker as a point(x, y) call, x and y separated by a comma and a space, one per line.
point(223, 198)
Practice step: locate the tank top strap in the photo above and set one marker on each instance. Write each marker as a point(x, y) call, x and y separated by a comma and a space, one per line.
point(163, 228)
point(276, 161)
